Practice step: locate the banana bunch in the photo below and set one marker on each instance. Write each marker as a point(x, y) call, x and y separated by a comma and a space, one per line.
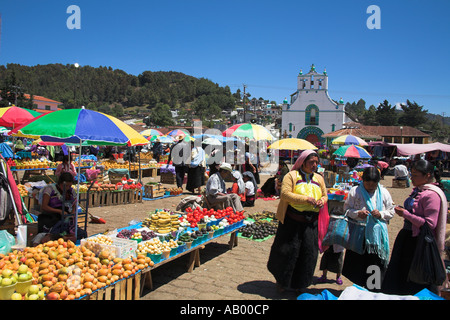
point(162, 222)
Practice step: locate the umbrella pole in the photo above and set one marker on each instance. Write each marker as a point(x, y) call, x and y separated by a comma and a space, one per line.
point(78, 193)
point(139, 157)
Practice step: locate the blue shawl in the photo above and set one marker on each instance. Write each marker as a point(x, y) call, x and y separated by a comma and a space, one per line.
point(377, 238)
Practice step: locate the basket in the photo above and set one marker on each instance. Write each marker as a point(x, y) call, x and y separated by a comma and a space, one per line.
point(7, 291)
point(121, 248)
point(156, 258)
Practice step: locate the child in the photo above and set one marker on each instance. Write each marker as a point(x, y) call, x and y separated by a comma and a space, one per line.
point(332, 260)
point(250, 189)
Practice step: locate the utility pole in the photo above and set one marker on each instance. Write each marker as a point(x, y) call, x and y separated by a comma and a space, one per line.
point(243, 100)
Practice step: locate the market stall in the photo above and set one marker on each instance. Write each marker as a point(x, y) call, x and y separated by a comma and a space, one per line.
point(116, 265)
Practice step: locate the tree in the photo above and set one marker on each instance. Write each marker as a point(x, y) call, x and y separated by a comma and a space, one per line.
point(370, 116)
point(386, 114)
point(160, 116)
point(412, 114)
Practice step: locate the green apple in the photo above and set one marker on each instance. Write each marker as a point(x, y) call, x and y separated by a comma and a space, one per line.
point(33, 297)
point(14, 279)
point(16, 296)
point(24, 277)
point(7, 273)
point(41, 295)
point(6, 282)
point(33, 289)
point(23, 268)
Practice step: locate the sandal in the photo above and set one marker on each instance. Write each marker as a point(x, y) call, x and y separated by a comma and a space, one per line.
point(339, 281)
point(322, 279)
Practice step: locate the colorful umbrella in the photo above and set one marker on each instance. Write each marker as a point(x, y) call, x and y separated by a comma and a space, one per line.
point(178, 132)
point(83, 125)
point(352, 151)
point(163, 139)
point(151, 133)
point(292, 144)
point(212, 141)
point(13, 117)
point(249, 130)
point(4, 130)
point(349, 139)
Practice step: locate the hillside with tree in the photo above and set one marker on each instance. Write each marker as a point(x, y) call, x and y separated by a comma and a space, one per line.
point(410, 114)
point(116, 92)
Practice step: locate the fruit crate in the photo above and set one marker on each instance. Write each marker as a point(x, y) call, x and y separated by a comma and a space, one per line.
point(154, 190)
point(120, 248)
point(167, 178)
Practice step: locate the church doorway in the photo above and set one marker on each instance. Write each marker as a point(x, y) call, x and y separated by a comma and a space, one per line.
point(314, 139)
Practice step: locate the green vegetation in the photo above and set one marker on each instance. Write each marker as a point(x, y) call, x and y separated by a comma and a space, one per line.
point(411, 114)
point(117, 93)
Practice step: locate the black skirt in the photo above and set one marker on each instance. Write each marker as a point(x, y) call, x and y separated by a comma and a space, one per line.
point(195, 178)
point(356, 269)
point(294, 252)
point(332, 261)
point(396, 277)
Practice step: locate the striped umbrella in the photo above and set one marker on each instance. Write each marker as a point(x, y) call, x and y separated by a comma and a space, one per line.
point(83, 125)
point(163, 139)
point(178, 132)
point(249, 130)
point(349, 139)
point(80, 126)
point(13, 116)
point(151, 133)
point(352, 151)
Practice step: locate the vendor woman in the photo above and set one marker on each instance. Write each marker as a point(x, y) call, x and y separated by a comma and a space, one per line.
point(53, 200)
point(295, 249)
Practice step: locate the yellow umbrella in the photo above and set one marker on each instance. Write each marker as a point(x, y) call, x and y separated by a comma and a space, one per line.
point(292, 144)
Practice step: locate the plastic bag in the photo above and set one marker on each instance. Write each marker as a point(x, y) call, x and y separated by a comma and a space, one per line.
point(427, 267)
point(6, 241)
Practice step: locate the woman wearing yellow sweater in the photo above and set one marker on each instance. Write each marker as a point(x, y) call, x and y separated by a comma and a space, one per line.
point(295, 249)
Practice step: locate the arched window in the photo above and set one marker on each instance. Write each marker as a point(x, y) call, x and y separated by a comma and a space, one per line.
point(312, 115)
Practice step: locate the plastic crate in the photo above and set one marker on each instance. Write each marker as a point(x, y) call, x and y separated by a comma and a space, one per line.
point(120, 248)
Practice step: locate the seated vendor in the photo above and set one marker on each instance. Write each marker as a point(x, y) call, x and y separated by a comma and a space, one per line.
point(272, 185)
point(66, 166)
point(216, 191)
point(401, 172)
point(238, 186)
point(53, 201)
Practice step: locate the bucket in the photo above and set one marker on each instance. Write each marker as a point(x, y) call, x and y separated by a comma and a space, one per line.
point(7, 291)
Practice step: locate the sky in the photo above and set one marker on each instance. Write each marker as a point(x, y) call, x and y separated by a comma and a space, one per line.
point(260, 43)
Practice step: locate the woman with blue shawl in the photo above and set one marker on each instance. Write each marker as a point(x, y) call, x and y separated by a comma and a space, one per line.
point(372, 203)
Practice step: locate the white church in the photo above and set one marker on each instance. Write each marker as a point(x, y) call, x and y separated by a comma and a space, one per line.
point(311, 113)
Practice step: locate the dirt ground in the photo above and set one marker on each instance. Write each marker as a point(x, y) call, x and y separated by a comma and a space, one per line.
point(256, 284)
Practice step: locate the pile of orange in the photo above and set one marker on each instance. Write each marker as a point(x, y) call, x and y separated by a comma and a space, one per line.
point(67, 272)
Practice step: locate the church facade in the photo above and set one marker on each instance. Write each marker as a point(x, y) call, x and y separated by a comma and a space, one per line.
point(311, 112)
